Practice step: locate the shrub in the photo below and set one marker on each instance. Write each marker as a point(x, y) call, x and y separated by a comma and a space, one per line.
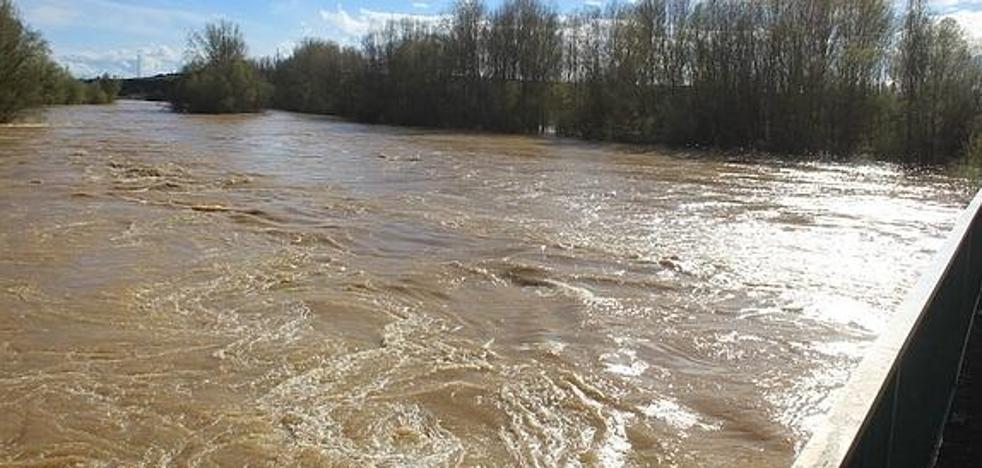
point(219, 78)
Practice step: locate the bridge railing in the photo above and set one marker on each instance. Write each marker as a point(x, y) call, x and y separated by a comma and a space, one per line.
point(893, 409)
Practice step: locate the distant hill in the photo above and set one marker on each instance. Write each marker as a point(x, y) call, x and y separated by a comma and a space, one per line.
point(153, 88)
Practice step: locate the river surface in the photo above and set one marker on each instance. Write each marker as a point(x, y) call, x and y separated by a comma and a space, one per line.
point(282, 289)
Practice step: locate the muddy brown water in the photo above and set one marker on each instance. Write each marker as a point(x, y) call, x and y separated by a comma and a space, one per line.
point(283, 289)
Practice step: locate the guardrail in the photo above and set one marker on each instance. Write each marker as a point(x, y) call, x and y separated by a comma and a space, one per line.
point(893, 409)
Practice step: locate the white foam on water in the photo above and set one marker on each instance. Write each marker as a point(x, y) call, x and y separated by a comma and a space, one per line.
point(676, 415)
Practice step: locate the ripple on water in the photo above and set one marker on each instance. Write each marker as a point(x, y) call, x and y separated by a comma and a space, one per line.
point(268, 290)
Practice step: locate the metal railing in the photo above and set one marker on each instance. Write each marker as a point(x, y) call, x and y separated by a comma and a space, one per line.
point(892, 411)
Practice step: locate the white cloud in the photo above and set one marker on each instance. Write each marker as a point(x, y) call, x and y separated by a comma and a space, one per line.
point(345, 23)
point(593, 3)
point(133, 25)
point(353, 26)
point(122, 62)
point(422, 5)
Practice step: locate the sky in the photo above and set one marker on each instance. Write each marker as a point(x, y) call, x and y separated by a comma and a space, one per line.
point(129, 37)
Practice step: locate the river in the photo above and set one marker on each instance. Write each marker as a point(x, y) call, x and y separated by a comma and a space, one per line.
point(282, 289)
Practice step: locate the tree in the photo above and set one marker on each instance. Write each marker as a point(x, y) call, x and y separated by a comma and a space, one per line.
point(938, 79)
point(218, 77)
point(911, 72)
point(785, 76)
point(524, 52)
point(23, 60)
point(30, 78)
point(466, 41)
point(859, 60)
point(317, 77)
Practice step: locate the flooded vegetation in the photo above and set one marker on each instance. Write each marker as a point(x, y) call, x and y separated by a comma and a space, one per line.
point(279, 289)
point(844, 78)
point(823, 77)
point(29, 77)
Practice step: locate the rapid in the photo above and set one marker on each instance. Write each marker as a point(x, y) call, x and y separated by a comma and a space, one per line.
point(281, 289)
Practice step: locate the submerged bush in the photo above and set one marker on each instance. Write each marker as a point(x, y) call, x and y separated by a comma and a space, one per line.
point(218, 77)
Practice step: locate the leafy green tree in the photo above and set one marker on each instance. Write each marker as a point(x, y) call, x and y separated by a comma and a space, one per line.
point(316, 78)
point(109, 87)
point(218, 77)
point(23, 62)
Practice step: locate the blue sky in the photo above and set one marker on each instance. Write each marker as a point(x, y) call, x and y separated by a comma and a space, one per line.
point(97, 36)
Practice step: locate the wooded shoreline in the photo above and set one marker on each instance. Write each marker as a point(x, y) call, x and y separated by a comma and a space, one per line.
point(835, 78)
point(830, 77)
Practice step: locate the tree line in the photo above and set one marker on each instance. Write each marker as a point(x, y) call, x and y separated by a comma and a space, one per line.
point(837, 77)
point(30, 78)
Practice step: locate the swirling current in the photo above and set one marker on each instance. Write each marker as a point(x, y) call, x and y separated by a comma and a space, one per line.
point(281, 289)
